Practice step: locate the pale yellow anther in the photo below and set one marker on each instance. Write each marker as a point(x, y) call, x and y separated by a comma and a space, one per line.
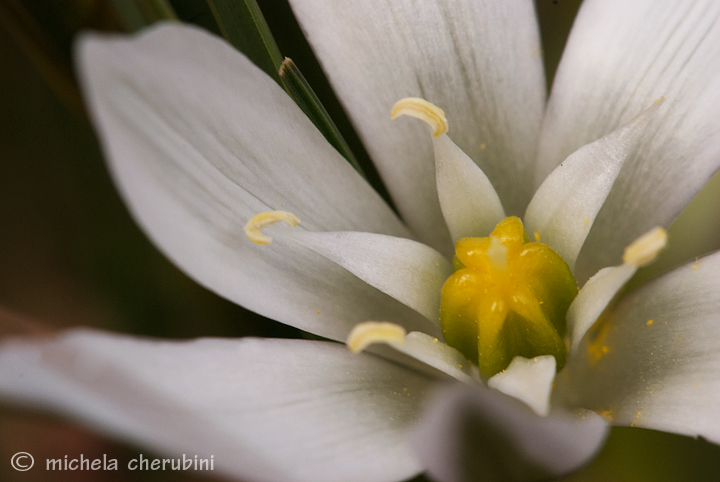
point(424, 110)
point(645, 248)
point(253, 228)
point(369, 332)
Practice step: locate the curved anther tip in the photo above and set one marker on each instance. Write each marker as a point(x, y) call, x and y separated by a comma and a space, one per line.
point(369, 332)
point(645, 249)
point(253, 228)
point(423, 110)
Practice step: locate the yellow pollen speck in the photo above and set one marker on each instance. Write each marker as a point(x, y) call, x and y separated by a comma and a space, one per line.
point(537, 236)
point(607, 415)
point(697, 264)
point(598, 348)
point(645, 248)
point(483, 146)
point(649, 322)
point(370, 332)
point(423, 110)
point(634, 422)
point(656, 103)
point(318, 312)
point(253, 228)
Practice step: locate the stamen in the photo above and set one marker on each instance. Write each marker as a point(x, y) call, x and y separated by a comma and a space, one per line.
point(424, 110)
point(369, 332)
point(253, 228)
point(645, 248)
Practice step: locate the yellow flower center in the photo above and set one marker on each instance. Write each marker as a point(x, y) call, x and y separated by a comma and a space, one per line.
point(508, 297)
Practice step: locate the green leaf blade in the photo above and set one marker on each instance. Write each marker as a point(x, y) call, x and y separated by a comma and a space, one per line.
point(299, 89)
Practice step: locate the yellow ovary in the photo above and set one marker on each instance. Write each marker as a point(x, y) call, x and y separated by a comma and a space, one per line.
point(508, 297)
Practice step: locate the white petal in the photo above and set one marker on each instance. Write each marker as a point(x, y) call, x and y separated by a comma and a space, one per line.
point(409, 271)
point(476, 434)
point(565, 206)
point(528, 380)
point(477, 60)
point(654, 362)
point(199, 140)
point(620, 57)
point(434, 355)
point(268, 410)
point(437, 354)
point(593, 298)
point(469, 203)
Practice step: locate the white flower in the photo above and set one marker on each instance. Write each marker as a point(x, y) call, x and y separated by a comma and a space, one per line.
point(199, 141)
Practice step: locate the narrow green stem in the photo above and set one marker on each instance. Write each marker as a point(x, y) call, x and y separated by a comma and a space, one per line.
point(244, 27)
point(299, 89)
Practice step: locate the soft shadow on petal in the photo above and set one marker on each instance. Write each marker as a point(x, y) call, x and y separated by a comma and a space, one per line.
point(268, 410)
point(473, 433)
point(479, 61)
point(199, 140)
point(615, 64)
point(654, 361)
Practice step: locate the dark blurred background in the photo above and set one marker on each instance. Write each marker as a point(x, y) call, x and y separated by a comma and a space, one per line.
point(70, 254)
